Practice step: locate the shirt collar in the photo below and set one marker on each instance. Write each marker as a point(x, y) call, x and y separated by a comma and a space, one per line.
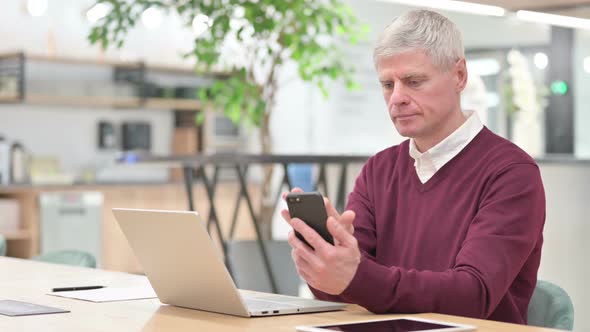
point(449, 147)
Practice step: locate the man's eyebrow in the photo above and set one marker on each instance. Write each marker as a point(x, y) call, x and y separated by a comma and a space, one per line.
point(415, 76)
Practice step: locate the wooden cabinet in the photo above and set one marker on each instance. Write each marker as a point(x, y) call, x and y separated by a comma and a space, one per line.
point(116, 253)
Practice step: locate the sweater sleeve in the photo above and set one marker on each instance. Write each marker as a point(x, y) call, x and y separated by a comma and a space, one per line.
point(501, 237)
point(364, 225)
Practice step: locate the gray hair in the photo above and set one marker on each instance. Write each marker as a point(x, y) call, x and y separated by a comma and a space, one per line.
point(422, 29)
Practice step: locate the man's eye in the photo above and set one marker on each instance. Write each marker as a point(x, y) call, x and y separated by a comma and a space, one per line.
point(413, 83)
point(388, 86)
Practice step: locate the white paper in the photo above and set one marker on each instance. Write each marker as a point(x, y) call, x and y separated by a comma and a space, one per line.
point(109, 294)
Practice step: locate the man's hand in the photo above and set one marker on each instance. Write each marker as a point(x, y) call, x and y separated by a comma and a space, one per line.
point(346, 219)
point(328, 268)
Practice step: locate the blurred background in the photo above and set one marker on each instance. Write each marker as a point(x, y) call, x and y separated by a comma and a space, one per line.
point(76, 122)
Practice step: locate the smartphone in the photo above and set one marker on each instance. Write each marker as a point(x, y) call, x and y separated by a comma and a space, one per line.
point(309, 207)
point(401, 324)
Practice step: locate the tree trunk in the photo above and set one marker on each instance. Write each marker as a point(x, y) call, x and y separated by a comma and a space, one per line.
point(267, 205)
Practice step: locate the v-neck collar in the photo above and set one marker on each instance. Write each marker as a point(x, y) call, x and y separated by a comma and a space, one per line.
point(429, 162)
point(440, 174)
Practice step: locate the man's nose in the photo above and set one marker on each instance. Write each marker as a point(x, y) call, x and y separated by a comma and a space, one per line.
point(398, 97)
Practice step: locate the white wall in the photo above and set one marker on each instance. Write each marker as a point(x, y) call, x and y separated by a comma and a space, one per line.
point(72, 136)
point(565, 250)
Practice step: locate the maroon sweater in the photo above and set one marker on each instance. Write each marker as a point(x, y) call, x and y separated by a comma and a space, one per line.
point(467, 242)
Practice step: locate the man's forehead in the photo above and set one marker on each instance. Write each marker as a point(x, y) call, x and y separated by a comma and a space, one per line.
point(414, 55)
point(405, 64)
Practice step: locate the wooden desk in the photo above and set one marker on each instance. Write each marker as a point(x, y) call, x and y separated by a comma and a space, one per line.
point(29, 281)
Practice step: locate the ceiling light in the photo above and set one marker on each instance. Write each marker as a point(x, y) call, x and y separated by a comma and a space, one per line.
point(97, 12)
point(37, 7)
point(560, 20)
point(457, 6)
point(541, 60)
point(151, 18)
point(201, 23)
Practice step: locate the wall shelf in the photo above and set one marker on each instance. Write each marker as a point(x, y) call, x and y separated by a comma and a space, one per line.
point(133, 85)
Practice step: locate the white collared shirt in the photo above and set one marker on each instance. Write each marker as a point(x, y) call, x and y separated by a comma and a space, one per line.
point(429, 162)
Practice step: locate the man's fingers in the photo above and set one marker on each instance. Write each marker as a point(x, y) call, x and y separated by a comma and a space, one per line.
point(310, 235)
point(303, 268)
point(341, 234)
point(285, 214)
point(347, 220)
point(332, 212)
point(301, 249)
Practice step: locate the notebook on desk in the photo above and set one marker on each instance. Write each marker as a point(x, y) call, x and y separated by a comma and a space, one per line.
point(186, 269)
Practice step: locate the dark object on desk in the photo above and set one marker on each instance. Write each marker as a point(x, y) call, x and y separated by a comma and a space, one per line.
point(136, 136)
point(69, 289)
point(18, 308)
point(403, 324)
point(310, 208)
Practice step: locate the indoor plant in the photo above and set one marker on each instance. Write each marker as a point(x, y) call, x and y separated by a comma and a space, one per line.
point(268, 34)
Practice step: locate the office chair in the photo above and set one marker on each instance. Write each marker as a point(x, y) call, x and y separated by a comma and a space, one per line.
point(68, 257)
point(247, 267)
point(2, 245)
point(551, 307)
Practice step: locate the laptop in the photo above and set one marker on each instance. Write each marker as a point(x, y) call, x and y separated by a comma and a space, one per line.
point(186, 269)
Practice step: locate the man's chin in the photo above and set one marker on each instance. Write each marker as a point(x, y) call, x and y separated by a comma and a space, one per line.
point(407, 132)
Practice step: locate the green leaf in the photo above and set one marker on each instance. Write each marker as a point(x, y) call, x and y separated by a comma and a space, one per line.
point(323, 89)
point(200, 117)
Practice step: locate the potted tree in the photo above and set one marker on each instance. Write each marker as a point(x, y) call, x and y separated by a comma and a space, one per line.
point(269, 34)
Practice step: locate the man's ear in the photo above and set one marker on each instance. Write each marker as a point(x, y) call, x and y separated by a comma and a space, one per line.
point(461, 76)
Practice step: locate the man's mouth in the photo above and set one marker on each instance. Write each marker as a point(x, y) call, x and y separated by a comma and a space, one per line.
point(404, 116)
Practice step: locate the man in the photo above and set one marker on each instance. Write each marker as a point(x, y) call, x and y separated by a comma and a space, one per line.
point(449, 221)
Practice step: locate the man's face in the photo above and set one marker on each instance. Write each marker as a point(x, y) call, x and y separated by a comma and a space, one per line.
point(423, 100)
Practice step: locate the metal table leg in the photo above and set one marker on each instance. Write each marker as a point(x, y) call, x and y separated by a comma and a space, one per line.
point(234, 219)
point(322, 180)
point(212, 216)
point(286, 181)
point(213, 213)
point(188, 185)
point(259, 240)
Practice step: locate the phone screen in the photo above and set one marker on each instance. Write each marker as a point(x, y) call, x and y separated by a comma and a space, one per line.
point(394, 325)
